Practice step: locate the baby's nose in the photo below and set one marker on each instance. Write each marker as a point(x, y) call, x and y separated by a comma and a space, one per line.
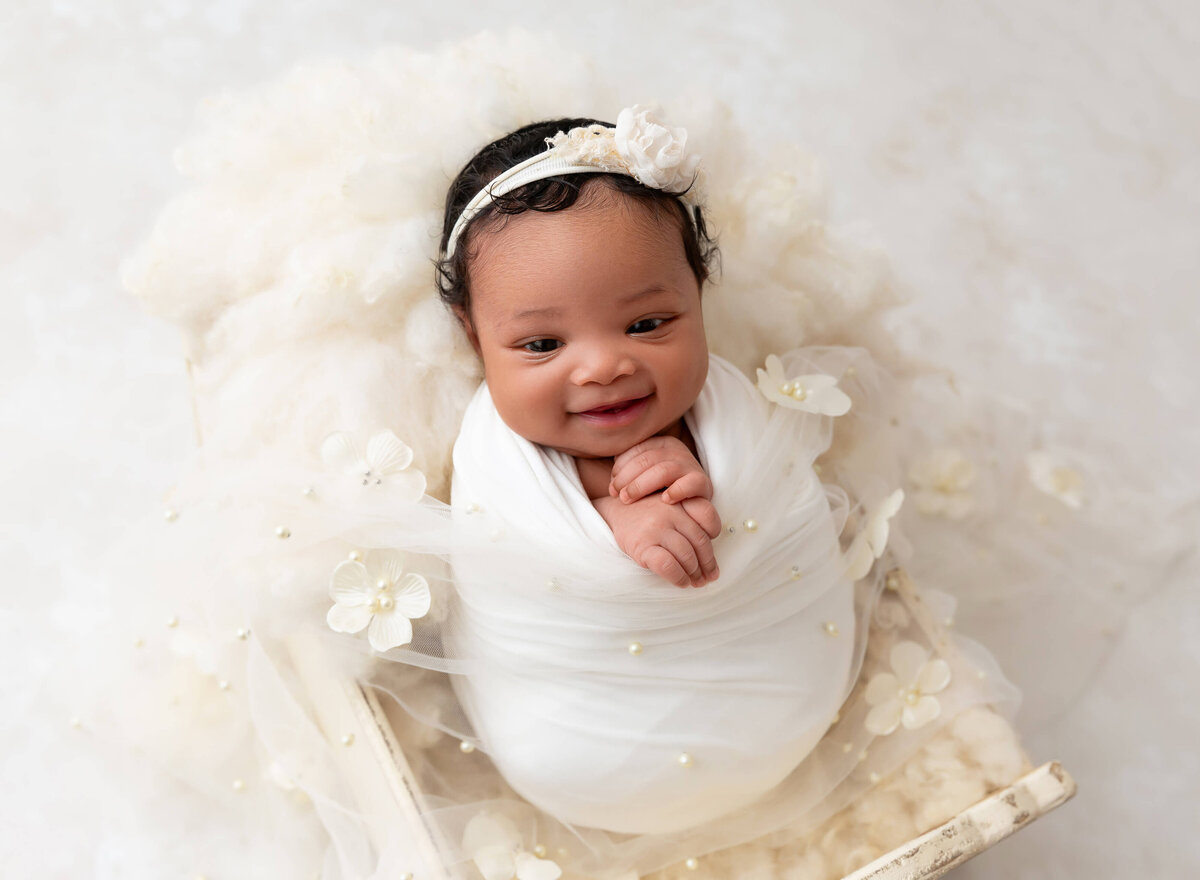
point(602, 365)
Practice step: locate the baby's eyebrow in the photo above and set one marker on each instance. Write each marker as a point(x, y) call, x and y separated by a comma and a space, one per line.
point(649, 291)
point(544, 312)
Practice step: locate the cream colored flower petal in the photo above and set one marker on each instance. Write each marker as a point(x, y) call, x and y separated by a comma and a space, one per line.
point(530, 867)
point(408, 484)
point(824, 397)
point(1049, 475)
point(351, 584)
point(859, 558)
point(878, 527)
point(387, 564)
point(881, 688)
point(348, 618)
point(490, 830)
point(926, 710)
point(934, 677)
point(412, 596)
point(337, 450)
point(388, 630)
point(884, 718)
point(495, 863)
point(387, 453)
point(766, 386)
point(771, 378)
point(907, 659)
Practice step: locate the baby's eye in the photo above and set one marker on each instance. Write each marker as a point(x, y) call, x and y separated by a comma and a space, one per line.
point(542, 346)
point(646, 325)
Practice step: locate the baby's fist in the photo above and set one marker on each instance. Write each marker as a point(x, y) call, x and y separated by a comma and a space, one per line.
point(660, 463)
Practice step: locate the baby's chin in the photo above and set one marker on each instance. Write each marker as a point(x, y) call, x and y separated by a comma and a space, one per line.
point(602, 449)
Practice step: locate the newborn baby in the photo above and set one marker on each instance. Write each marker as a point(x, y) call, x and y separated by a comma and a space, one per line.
point(603, 442)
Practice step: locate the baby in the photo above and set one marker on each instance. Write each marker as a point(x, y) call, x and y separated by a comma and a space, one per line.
point(574, 254)
point(581, 295)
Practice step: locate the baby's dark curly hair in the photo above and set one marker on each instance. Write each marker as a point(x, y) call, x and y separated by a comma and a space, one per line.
point(548, 195)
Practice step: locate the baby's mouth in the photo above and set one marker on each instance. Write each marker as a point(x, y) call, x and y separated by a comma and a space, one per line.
point(616, 413)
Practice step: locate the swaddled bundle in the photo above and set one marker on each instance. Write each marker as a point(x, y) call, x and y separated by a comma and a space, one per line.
point(612, 699)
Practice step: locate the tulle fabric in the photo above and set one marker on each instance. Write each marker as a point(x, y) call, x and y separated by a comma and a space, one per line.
point(298, 266)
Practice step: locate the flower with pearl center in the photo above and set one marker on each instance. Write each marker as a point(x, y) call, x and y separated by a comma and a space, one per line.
point(905, 695)
point(943, 481)
point(814, 393)
point(493, 843)
point(386, 462)
point(377, 594)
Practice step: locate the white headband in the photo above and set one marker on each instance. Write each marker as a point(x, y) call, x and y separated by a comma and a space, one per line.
point(641, 146)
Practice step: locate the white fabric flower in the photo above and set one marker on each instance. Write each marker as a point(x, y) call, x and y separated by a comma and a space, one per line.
point(386, 462)
point(1056, 479)
point(943, 480)
point(869, 544)
point(493, 843)
point(815, 393)
point(655, 153)
point(904, 695)
point(377, 592)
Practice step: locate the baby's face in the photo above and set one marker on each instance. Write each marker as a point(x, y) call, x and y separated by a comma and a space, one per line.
point(589, 325)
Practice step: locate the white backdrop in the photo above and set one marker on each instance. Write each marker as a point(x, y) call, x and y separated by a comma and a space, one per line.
point(1044, 154)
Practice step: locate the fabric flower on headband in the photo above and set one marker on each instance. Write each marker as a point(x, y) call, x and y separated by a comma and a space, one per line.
point(642, 146)
point(657, 153)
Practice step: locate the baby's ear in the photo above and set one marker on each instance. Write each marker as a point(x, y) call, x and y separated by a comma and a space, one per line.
point(464, 318)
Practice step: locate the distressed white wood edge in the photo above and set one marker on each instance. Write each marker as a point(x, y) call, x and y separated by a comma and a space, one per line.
point(975, 828)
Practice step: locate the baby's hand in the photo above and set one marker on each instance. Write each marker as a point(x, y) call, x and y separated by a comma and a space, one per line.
point(659, 463)
point(672, 540)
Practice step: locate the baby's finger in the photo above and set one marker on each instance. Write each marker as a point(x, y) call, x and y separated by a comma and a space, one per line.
point(651, 446)
point(680, 546)
point(660, 561)
point(634, 461)
point(693, 484)
point(658, 476)
point(702, 511)
point(702, 545)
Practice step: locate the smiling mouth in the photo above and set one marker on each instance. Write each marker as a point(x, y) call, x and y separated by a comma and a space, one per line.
point(620, 413)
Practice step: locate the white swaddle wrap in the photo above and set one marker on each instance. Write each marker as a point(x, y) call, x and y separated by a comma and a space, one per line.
point(613, 699)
